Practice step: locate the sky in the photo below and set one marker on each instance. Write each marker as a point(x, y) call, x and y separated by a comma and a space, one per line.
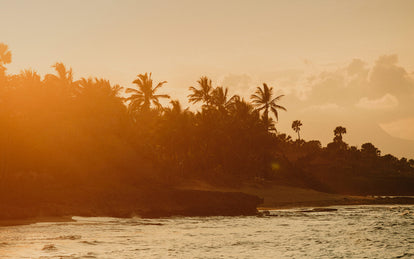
point(338, 63)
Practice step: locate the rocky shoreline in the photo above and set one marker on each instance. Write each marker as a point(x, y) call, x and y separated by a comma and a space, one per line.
point(162, 203)
point(167, 203)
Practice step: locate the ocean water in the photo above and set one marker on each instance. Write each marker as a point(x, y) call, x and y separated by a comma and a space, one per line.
point(349, 232)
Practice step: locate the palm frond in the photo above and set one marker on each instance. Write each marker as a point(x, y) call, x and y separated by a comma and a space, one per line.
point(275, 113)
point(161, 96)
point(159, 85)
point(278, 107)
point(277, 98)
point(132, 90)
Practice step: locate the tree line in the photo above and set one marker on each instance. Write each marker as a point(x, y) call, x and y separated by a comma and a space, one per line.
point(62, 131)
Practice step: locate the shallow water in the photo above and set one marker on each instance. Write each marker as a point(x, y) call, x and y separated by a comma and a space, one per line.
point(350, 232)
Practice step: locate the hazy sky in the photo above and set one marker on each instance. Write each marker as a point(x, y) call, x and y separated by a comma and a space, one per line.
point(348, 63)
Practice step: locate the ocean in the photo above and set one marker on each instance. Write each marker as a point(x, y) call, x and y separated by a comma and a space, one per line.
point(385, 231)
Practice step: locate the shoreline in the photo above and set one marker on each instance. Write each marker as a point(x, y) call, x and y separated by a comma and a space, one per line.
point(288, 205)
point(191, 200)
point(29, 221)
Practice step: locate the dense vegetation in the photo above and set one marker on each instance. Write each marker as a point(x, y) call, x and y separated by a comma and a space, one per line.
point(59, 133)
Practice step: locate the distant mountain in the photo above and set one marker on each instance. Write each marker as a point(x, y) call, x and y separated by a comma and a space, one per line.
point(389, 144)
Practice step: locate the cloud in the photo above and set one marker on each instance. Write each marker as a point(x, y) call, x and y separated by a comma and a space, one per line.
point(402, 128)
point(383, 85)
point(387, 77)
point(241, 83)
point(330, 87)
point(287, 82)
point(327, 107)
point(237, 81)
point(386, 102)
point(356, 67)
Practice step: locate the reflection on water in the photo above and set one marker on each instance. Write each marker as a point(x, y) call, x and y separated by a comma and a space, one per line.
point(349, 232)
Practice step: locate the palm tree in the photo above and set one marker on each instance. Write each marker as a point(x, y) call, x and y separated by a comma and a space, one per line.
point(338, 131)
point(5, 56)
point(176, 108)
point(97, 96)
point(262, 100)
point(144, 96)
point(203, 94)
point(64, 75)
point(64, 79)
point(296, 127)
point(240, 108)
point(219, 98)
point(31, 76)
point(26, 78)
point(100, 85)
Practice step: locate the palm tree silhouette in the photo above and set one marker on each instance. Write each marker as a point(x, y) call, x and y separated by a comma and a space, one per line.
point(63, 79)
point(203, 94)
point(219, 98)
point(64, 75)
point(262, 100)
point(296, 127)
point(241, 109)
point(144, 96)
point(29, 76)
point(338, 131)
point(176, 108)
point(90, 85)
point(5, 56)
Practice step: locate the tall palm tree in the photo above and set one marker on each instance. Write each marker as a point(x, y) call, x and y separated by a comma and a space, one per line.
point(203, 93)
point(296, 127)
point(145, 95)
point(262, 100)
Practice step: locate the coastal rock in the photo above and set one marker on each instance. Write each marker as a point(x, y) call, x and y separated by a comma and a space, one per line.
point(150, 203)
point(202, 203)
